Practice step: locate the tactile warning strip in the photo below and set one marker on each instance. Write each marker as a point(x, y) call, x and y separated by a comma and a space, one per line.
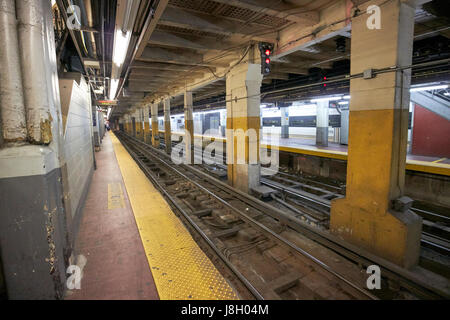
point(181, 270)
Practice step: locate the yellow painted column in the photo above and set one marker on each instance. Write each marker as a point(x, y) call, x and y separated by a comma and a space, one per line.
point(243, 84)
point(378, 141)
point(167, 129)
point(155, 130)
point(147, 133)
point(133, 124)
point(138, 121)
point(128, 123)
point(189, 126)
point(121, 124)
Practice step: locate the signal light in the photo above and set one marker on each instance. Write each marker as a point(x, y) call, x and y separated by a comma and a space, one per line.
point(265, 49)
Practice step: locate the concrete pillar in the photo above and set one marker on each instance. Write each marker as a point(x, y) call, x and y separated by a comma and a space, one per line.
point(36, 225)
point(12, 108)
point(223, 123)
point(127, 123)
point(243, 84)
point(167, 129)
point(377, 141)
point(139, 127)
point(121, 124)
point(130, 124)
point(134, 122)
point(155, 129)
point(147, 133)
point(322, 122)
point(285, 121)
point(96, 128)
point(189, 126)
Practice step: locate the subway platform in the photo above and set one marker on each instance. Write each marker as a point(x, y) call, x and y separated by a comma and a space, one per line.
point(134, 245)
point(307, 146)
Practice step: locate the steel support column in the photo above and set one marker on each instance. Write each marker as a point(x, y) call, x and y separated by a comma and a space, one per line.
point(167, 129)
point(322, 122)
point(155, 129)
point(189, 126)
point(243, 84)
point(371, 215)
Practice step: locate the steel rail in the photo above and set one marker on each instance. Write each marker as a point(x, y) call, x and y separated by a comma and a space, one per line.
point(266, 229)
point(409, 279)
point(211, 244)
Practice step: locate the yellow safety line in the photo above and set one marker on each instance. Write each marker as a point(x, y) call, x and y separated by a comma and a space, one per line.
point(439, 160)
point(429, 167)
point(181, 270)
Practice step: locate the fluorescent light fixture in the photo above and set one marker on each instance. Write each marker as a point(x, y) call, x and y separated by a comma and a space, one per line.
point(439, 87)
point(120, 47)
point(326, 99)
point(346, 97)
point(209, 111)
point(343, 102)
point(113, 89)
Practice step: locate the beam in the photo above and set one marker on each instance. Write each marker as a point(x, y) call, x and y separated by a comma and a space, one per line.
point(162, 4)
point(162, 66)
point(280, 10)
point(171, 40)
point(180, 18)
point(334, 20)
point(157, 54)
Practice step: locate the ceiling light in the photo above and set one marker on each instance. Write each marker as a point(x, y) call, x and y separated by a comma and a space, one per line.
point(113, 89)
point(120, 47)
point(439, 87)
point(326, 99)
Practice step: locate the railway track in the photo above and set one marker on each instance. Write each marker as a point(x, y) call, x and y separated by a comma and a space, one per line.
point(259, 244)
point(311, 200)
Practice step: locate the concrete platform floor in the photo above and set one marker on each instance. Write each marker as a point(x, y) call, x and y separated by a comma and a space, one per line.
point(303, 143)
point(116, 266)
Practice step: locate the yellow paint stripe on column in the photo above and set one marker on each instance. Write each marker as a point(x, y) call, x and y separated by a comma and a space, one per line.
point(181, 270)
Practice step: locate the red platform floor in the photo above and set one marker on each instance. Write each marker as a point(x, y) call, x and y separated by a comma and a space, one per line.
point(116, 266)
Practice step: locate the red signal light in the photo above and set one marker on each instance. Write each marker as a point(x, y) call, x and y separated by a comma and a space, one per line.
point(324, 78)
point(267, 52)
point(267, 60)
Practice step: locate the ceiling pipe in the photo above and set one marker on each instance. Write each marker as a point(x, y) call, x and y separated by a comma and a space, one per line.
point(102, 17)
point(12, 108)
point(84, 21)
point(87, 4)
point(32, 55)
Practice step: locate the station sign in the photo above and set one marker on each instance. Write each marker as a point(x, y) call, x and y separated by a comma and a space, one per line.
point(106, 102)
